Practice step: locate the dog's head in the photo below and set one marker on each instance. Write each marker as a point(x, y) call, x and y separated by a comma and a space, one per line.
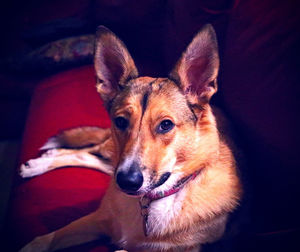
point(163, 128)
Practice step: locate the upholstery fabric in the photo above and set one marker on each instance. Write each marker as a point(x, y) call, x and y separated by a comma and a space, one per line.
point(45, 203)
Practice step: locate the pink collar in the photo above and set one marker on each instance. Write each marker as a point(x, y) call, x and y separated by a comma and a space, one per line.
point(146, 200)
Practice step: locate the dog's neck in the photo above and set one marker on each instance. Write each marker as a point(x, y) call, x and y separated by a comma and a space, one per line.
point(148, 198)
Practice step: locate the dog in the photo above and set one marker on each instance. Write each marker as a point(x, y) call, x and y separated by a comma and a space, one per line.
point(175, 177)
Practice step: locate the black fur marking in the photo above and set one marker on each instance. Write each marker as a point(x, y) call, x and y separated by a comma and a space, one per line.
point(109, 104)
point(63, 146)
point(162, 83)
point(144, 102)
point(176, 82)
point(121, 87)
point(195, 117)
point(163, 179)
point(100, 156)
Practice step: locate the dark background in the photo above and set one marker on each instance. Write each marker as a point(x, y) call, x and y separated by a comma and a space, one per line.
point(258, 82)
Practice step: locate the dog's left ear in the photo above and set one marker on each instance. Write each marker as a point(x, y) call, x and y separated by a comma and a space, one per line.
point(198, 67)
point(113, 64)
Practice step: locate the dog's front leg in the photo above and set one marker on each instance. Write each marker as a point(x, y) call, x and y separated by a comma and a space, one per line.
point(85, 229)
point(56, 158)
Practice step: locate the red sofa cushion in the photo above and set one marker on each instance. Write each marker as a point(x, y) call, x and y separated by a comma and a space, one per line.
point(49, 201)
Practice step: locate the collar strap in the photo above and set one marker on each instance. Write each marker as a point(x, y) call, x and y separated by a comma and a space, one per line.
point(180, 184)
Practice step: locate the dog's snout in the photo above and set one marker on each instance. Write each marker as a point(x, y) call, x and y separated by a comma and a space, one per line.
point(130, 181)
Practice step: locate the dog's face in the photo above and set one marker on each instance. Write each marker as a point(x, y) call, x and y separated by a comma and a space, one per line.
point(161, 126)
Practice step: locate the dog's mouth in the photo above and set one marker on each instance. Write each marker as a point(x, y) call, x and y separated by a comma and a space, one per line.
point(161, 189)
point(148, 189)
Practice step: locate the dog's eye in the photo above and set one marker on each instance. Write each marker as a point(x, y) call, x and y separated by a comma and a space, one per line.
point(121, 122)
point(165, 126)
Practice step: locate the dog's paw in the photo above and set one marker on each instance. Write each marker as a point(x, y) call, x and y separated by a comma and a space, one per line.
point(39, 244)
point(35, 167)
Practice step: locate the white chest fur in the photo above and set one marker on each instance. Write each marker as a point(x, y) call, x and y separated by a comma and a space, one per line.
point(163, 211)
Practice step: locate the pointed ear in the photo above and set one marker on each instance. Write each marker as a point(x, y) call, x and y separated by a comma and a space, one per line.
point(113, 64)
point(197, 69)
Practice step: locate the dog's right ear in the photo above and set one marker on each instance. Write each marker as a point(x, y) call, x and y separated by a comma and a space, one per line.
point(113, 64)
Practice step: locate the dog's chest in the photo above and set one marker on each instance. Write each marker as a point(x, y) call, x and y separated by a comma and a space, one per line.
point(128, 222)
point(162, 212)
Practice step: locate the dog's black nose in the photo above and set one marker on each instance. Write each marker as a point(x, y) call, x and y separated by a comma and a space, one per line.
point(130, 181)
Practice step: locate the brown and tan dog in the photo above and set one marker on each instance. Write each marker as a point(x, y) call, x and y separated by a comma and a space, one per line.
point(175, 179)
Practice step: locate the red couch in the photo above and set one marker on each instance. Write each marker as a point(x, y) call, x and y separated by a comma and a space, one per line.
point(50, 201)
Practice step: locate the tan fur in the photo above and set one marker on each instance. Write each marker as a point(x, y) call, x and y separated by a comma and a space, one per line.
point(83, 136)
point(196, 214)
